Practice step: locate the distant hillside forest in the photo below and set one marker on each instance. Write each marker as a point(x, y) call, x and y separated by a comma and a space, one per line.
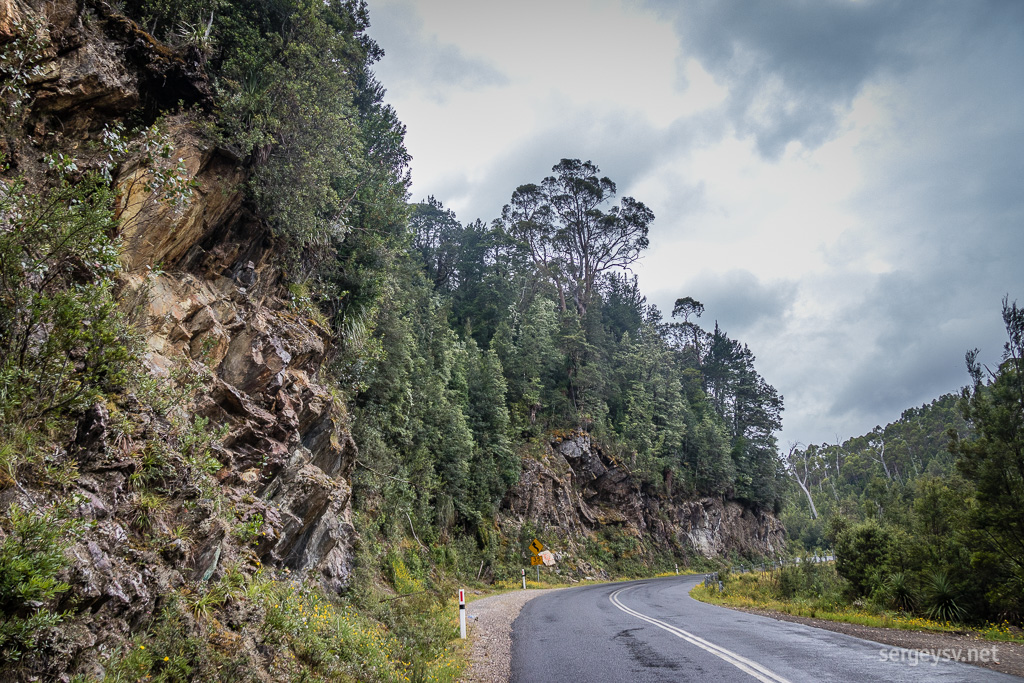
point(925, 514)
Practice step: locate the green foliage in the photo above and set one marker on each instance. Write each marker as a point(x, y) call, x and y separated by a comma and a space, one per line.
point(166, 18)
point(526, 345)
point(762, 590)
point(162, 178)
point(303, 634)
point(285, 92)
point(295, 96)
point(813, 584)
point(440, 403)
point(570, 236)
point(21, 61)
point(475, 352)
point(925, 512)
point(878, 475)
point(494, 466)
point(898, 592)
point(942, 598)
point(31, 560)
point(865, 553)
point(249, 531)
point(63, 342)
point(994, 463)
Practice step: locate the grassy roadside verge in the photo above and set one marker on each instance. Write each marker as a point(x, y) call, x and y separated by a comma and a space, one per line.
point(761, 591)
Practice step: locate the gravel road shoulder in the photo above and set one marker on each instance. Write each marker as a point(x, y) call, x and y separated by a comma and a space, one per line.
point(489, 629)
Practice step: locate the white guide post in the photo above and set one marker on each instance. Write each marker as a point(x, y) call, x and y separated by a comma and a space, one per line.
point(524, 579)
point(462, 613)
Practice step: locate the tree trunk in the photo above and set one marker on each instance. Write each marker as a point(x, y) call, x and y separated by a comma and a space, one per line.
point(810, 501)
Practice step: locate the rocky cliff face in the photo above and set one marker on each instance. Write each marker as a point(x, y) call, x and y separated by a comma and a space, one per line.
point(204, 282)
point(219, 304)
point(576, 490)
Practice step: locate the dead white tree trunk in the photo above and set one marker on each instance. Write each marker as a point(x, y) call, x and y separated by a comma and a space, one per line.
point(801, 479)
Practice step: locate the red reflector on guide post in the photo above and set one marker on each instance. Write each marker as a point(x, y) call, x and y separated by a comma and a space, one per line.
point(462, 613)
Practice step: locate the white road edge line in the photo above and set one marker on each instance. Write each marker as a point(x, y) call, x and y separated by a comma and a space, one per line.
point(747, 666)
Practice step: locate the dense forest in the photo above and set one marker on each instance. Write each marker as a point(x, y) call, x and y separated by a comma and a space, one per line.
point(924, 514)
point(495, 334)
point(458, 343)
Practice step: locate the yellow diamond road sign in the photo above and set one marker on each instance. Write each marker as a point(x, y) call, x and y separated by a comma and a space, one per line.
point(536, 547)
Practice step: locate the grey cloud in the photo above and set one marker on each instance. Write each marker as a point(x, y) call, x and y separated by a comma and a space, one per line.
point(623, 146)
point(946, 209)
point(738, 301)
point(918, 328)
point(896, 378)
point(794, 67)
point(422, 60)
point(942, 205)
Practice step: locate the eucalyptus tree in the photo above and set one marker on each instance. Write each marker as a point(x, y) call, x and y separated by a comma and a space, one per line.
point(801, 464)
point(572, 234)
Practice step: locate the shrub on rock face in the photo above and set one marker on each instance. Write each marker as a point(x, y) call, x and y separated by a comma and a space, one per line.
point(62, 339)
point(31, 558)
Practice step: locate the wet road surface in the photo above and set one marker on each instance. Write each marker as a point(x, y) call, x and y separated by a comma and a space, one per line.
point(653, 631)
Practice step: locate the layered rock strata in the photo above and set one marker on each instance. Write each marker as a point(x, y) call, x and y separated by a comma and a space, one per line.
point(576, 489)
point(202, 280)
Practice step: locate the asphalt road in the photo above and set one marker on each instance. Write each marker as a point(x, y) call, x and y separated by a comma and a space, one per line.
point(652, 630)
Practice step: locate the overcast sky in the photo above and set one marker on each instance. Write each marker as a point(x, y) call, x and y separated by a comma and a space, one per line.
point(840, 183)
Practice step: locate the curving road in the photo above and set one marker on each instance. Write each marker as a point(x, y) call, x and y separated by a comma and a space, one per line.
point(652, 630)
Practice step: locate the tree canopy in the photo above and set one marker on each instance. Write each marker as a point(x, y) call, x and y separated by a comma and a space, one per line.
point(571, 236)
point(557, 335)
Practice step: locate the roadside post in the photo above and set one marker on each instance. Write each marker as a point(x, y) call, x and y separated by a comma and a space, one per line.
point(462, 613)
point(677, 569)
point(524, 579)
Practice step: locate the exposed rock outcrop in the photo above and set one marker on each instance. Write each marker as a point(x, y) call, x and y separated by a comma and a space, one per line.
point(100, 64)
point(203, 282)
point(576, 489)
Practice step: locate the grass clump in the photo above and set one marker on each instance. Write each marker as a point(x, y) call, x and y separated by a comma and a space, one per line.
point(272, 627)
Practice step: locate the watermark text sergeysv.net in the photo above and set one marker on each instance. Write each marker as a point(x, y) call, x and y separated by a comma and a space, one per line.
point(974, 655)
